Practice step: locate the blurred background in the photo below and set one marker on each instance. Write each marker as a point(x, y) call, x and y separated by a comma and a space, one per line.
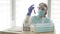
point(21, 10)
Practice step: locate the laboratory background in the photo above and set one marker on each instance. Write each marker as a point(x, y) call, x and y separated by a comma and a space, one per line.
point(20, 9)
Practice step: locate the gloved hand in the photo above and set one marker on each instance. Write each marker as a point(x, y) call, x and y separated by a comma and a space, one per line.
point(30, 10)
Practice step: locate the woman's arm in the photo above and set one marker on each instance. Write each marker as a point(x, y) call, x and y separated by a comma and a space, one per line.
point(29, 13)
point(26, 21)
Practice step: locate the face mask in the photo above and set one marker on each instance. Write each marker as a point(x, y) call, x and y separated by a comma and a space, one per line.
point(41, 13)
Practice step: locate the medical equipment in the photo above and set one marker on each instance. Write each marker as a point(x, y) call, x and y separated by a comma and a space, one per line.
point(30, 10)
point(41, 13)
point(46, 27)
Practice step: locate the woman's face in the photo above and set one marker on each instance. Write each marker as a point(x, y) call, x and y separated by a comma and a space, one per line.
point(42, 7)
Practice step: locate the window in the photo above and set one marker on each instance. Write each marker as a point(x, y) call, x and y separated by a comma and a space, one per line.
point(55, 14)
point(4, 14)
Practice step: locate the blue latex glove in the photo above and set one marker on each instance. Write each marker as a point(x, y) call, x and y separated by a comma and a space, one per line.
point(30, 10)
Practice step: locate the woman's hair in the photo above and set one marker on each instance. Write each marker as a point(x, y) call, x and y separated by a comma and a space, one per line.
point(44, 5)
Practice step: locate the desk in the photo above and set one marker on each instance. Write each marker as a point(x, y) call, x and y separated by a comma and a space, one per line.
point(23, 32)
point(38, 32)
